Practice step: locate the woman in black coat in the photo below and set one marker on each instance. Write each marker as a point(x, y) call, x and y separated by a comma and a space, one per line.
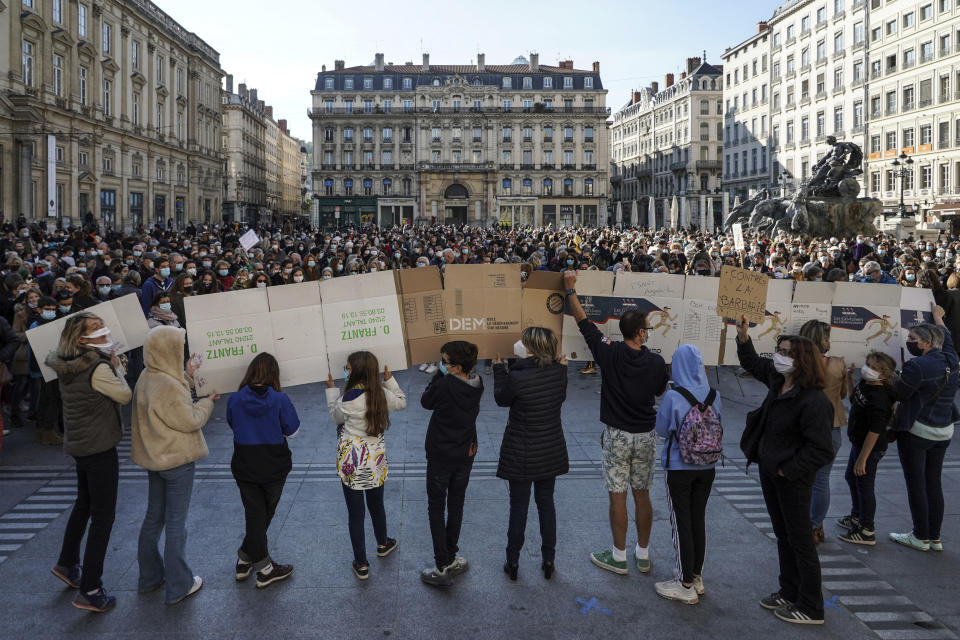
point(533, 451)
point(790, 438)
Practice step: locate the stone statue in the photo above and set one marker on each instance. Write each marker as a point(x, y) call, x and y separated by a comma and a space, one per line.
point(825, 205)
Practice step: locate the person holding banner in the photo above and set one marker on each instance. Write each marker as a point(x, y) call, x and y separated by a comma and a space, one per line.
point(167, 441)
point(362, 416)
point(93, 389)
point(924, 425)
point(789, 437)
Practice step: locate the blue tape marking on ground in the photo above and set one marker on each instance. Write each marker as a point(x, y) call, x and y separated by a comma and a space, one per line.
point(831, 603)
point(591, 604)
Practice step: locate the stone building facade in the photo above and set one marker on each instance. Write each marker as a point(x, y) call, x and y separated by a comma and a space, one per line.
point(109, 110)
point(667, 150)
point(244, 150)
point(510, 144)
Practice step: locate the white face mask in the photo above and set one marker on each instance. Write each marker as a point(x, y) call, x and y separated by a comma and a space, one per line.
point(99, 333)
point(298, 278)
point(519, 350)
point(261, 284)
point(783, 364)
point(869, 374)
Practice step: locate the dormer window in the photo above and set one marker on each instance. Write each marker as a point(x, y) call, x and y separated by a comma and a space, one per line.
point(527, 82)
point(348, 83)
point(368, 83)
point(507, 82)
point(548, 83)
point(407, 83)
point(328, 83)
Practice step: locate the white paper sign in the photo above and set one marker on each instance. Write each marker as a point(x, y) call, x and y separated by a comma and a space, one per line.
point(249, 240)
point(738, 242)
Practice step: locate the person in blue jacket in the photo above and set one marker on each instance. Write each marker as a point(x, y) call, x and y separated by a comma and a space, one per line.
point(262, 418)
point(873, 273)
point(688, 485)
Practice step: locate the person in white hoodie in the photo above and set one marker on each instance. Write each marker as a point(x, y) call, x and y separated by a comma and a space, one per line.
point(362, 416)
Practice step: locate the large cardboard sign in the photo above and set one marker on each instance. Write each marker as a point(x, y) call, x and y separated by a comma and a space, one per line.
point(660, 296)
point(811, 301)
point(362, 313)
point(228, 330)
point(482, 304)
point(865, 318)
point(123, 316)
point(742, 293)
point(421, 302)
point(764, 334)
point(914, 309)
point(543, 302)
point(594, 290)
point(300, 342)
point(701, 324)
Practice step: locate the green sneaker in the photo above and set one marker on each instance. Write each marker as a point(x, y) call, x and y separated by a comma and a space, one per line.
point(604, 560)
point(936, 545)
point(910, 540)
point(643, 566)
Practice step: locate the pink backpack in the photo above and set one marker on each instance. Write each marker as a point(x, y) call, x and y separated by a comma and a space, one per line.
point(700, 434)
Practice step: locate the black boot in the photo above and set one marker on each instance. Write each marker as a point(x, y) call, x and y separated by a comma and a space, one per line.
point(511, 570)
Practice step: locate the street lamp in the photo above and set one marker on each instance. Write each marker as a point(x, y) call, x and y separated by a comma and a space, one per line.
point(903, 165)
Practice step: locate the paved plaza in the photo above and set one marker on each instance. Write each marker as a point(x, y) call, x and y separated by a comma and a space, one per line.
point(887, 591)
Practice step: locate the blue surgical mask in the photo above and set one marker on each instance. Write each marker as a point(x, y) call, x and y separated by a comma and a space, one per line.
point(569, 261)
point(223, 272)
point(64, 309)
point(339, 267)
point(911, 277)
point(82, 269)
point(443, 368)
point(346, 373)
point(164, 306)
point(165, 272)
point(115, 287)
point(104, 291)
point(48, 314)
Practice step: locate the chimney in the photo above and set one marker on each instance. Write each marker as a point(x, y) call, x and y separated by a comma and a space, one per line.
point(283, 125)
point(261, 105)
point(636, 97)
point(534, 62)
point(655, 87)
point(269, 111)
point(229, 83)
point(596, 66)
point(323, 68)
point(338, 65)
point(426, 63)
point(762, 26)
point(253, 95)
point(668, 81)
point(242, 90)
point(566, 64)
point(692, 65)
point(481, 62)
point(683, 75)
point(378, 65)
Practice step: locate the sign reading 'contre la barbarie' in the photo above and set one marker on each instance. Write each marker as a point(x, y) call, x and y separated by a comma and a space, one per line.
point(742, 293)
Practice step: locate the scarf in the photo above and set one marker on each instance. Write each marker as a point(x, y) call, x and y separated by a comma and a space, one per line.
point(166, 317)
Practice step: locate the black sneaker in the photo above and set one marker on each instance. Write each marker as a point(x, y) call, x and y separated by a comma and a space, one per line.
point(277, 573)
point(436, 577)
point(244, 569)
point(774, 601)
point(70, 575)
point(98, 601)
point(362, 571)
point(860, 536)
point(790, 613)
point(849, 523)
point(387, 548)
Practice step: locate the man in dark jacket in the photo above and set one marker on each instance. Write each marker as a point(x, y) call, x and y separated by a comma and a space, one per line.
point(454, 397)
point(632, 377)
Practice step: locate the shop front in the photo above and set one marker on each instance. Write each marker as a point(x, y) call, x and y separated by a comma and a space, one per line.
point(567, 212)
point(516, 212)
point(395, 211)
point(336, 213)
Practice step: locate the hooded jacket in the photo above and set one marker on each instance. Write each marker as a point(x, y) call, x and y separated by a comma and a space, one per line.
point(166, 420)
point(630, 381)
point(262, 419)
point(350, 409)
point(689, 373)
point(455, 404)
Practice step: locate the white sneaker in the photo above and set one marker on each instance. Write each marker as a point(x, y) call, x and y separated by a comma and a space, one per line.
point(424, 366)
point(432, 368)
point(698, 585)
point(197, 583)
point(674, 590)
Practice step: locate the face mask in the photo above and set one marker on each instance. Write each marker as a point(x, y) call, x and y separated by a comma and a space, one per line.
point(115, 287)
point(824, 260)
point(99, 333)
point(64, 309)
point(136, 252)
point(910, 277)
point(104, 291)
point(164, 306)
point(82, 269)
point(914, 348)
point(288, 271)
point(783, 364)
point(311, 264)
point(106, 347)
point(165, 272)
point(869, 374)
point(48, 314)
point(373, 269)
point(519, 350)
point(130, 262)
point(298, 278)
point(261, 284)
point(346, 374)
point(880, 252)
point(223, 272)
point(32, 305)
point(326, 276)
point(443, 369)
point(429, 252)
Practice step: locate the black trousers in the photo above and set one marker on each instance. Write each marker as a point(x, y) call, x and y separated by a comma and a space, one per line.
point(688, 493)
point(520, 505)
point(788, 503)
point(259, 505)
point(378, 515)
point(97, 478)
point(49, 405)
point(922, 462)
point(446, 491)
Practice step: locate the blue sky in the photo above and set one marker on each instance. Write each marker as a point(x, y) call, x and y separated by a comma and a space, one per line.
point(280, 51)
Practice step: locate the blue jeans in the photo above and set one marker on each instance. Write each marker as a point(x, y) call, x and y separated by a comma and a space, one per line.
point(355, 517)
point(820, 500)
point(863, 499)
point(167, 504)
point(922, 462)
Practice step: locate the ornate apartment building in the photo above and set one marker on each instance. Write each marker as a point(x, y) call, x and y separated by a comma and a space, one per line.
point(108, 108)
point(245, 155)
point(507, 144)
point(667, 150)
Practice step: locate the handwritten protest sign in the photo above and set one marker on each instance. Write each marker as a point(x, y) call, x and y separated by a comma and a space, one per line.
point(742, 293)
point(738, 242)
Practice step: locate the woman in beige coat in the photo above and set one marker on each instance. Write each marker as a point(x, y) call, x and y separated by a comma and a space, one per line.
point(167, 441)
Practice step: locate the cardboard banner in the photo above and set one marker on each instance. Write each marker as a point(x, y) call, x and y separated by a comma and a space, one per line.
point(123, 316)
point(593, 290)
point(702, 326)
point(300, 342)
point(777, 317)
point(424, 323)
point(914, 309)
point(658, 295)
point(482, 304)
point(742, 293)
point(865, 318)
point(811, 301)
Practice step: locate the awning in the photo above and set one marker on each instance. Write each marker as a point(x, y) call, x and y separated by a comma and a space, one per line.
point(945, 209)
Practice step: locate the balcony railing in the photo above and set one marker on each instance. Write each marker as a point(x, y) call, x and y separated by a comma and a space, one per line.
point(589, 167)
point(588, 139)
point(528, 138)
point(507, 166)
point(527, 166)
point(324, 111)
point(714, 165)
point(450, 166)
point(548, 138)
point(388, 141)
point(568, 167)
point(477, 139)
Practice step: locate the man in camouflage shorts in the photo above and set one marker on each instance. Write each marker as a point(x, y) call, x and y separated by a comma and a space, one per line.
point(631, 377)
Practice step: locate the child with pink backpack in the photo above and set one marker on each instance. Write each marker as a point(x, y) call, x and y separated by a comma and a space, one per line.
point(689, 420)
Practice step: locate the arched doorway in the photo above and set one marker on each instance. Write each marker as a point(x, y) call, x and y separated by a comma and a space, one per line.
point(455, 207)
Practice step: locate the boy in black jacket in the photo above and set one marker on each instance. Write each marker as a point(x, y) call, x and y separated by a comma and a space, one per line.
point(454, 397)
